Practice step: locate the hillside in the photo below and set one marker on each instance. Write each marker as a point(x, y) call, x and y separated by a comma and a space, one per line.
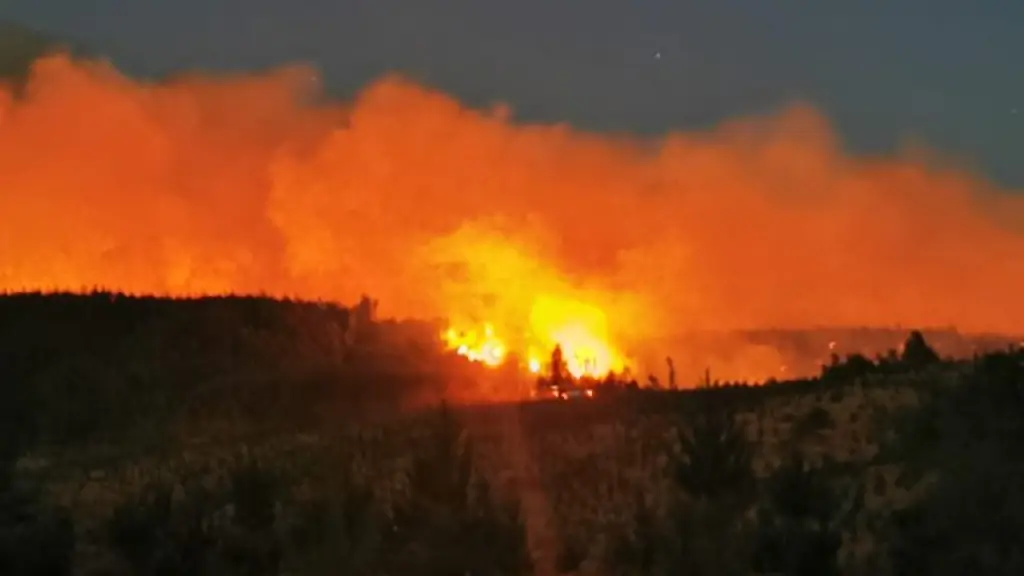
point(200, 435)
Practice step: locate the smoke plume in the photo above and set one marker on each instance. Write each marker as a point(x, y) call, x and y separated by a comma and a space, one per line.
point(260, 183)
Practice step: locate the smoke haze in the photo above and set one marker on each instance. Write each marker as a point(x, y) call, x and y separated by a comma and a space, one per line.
point(260, 184)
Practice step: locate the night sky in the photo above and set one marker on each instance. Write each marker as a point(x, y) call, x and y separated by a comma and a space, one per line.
point(948, 72)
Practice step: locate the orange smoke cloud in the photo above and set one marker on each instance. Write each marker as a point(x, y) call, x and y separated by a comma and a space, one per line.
point(260, 184)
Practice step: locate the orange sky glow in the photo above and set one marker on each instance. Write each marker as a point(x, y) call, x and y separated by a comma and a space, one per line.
point(258, 183)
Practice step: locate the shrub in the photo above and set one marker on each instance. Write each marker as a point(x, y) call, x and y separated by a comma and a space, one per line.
point(696, 537)
point(971, 520)
point(715, 458)
point(175, 530)
point(451, 523)
point(252, 545)
point(854, 367)
point(34, 539)
point(706, 532)
point(817, 420)
point(799, 521)
point(339, 531)
point(156, 535)
point(641, 546)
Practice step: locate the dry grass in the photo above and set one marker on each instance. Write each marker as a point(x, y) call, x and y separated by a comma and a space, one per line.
point(589, 474)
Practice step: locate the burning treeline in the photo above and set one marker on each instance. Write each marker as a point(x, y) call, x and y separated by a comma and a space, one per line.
point(537, 234)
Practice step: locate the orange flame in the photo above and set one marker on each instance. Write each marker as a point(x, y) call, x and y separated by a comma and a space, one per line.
point(579, 329)
point(478, 346)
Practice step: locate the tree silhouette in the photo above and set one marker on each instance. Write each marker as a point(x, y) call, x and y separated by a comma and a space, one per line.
point(917, 353)
point(556, 367)
point(851, 368)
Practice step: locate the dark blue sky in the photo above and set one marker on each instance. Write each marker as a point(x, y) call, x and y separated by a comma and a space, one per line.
point(948, 71)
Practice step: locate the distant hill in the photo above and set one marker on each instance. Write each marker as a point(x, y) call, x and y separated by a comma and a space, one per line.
point(20, 46)
point(158, 362)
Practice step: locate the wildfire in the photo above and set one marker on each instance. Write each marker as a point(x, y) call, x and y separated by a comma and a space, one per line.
point(579, 329)
point(478, 346)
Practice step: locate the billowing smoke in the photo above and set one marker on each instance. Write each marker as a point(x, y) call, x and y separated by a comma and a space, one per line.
point(261, 184)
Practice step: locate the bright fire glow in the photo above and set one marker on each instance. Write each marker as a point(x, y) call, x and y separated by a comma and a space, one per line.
point(479, 346)
point(580, 329)
point(264, 184)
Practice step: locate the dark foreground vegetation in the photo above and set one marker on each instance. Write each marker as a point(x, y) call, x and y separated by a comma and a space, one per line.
point(79, 372)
